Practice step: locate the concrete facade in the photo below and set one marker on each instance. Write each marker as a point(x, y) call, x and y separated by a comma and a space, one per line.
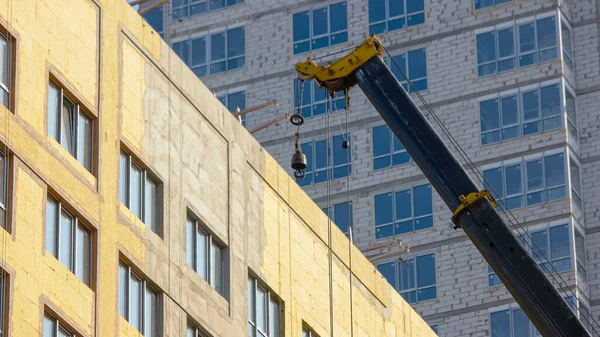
point(464, 298)
point(143, 101)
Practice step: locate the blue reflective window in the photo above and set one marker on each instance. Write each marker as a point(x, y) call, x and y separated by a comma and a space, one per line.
point(235, 101)
point(319, 28)
point(567, 45)
point(403, 211)
point(493, 279)
point(541, 180)
point(480, 4)
point(435, 328)
point(155, 20)
point(506, 117)
point(340, 163)
point(511, 323)
point(389, 15)
point(227, 52)
point(341, 215)
point(414, 279)
point(413, 64)
point(499, 50)
point(184, 8)
point(387, 150)
point(311, 100)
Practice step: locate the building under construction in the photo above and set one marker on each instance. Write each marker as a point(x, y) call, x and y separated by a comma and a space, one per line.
point(133, 202)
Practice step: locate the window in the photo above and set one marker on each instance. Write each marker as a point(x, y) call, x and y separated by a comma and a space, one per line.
point(306, 332)
point(567, 45)
point(480, 4)
point(493, 279)
point(311, 99)
point(575, 183)
point(414, 279)
point(414, 65)
point(7, 68)
point(387, 149)
point(511, 323)
point(4, 189)
point(155, 20)
point(522, 45)
point(185, 8)
point(316, 158)
point(341, 215)
point(4, 298)
point(580, 256)
point(435, 328)
point(264, 311)
point(214, 53)
point(234, 101)
point(550, 243)
point(138, 302)
point(140, 192)
point(70, 125)
point(571, 115)
point(541, 180)
point(53, 328)
point(403, 211)
point(192, 331)
point(68, 240)
point(204, 254)
point(319, 28)
point(389, 15)
point(522, 112)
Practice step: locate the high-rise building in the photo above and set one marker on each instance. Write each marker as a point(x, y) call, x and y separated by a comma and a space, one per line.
point(515, 83)
point(134, 204)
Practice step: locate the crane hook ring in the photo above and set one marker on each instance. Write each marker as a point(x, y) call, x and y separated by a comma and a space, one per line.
point(297, 119)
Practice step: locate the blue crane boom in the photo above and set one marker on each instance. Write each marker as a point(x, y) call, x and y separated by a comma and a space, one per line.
point(474, 210)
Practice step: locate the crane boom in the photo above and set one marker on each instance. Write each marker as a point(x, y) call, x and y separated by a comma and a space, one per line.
point(474, 209)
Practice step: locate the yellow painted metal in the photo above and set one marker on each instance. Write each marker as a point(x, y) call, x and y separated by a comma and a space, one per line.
point(336, 76)
point(472, 198)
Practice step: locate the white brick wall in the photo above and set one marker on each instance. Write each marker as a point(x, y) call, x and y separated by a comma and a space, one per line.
point(453, 88)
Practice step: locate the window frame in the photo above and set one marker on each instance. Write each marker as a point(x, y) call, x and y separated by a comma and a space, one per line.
point(76, 224)
point(330, 105)
point(191, 3)
point(492, 6)
point(145, 175)
point(224, 98)
point(196, 330)
point(516, 37)
point(7, 192)
point(5, 308)
point(307, 331)
point(525, 190)
point(59, 325)
point(12, 49)
point(566, 55)
point(414, 269)
point(269, 298)
point(330, 212)
point(200, 228)
point(329, 34)
point(144, 288)
point(571, 121)
point(388, 61)
point(330, 162)
point(207, 37)
point(161, 32)
point(394, 211)
point(518, 93)
point(387, 19)
point(575, 191)
point(392, 148)
point(511, 309)
point(79, 110)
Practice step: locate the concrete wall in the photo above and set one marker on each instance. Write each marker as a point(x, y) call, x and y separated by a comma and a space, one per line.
point(145, 100)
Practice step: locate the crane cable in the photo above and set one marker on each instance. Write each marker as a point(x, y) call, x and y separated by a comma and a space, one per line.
point(504, 210)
